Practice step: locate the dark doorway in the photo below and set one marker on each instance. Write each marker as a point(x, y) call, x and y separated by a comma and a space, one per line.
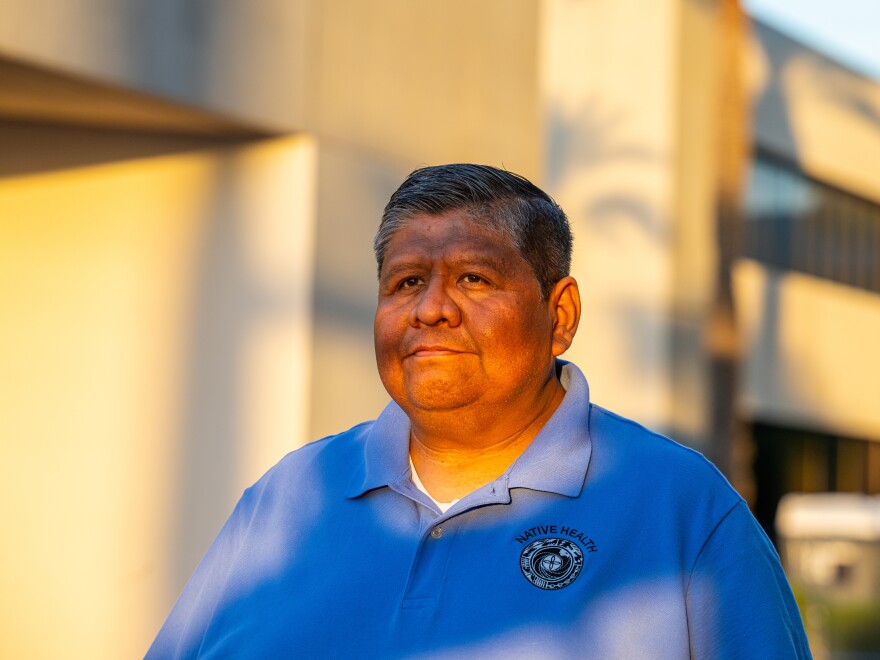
point(796, 460)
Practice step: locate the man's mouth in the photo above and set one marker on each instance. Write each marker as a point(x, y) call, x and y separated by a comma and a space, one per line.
point(432, 351)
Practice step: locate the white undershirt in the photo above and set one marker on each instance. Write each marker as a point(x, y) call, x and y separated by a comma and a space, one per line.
point(443, 506)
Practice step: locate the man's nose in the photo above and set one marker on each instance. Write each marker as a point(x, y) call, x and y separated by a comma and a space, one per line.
point(434, 305)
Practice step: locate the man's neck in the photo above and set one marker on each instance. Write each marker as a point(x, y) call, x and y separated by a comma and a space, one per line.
point(457, 452)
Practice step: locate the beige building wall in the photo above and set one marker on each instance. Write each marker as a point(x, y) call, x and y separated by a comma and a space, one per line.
point(816, 113)
point(419, 82)
point(629, 122)
point(811, 356)
point(178, 312)
point(246, 59)
point(608, 77)
point(155, 351)
point(414, 84)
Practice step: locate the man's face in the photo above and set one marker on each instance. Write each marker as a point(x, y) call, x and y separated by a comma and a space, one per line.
point(459, 319)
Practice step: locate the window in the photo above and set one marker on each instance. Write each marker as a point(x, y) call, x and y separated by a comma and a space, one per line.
point(793, 222)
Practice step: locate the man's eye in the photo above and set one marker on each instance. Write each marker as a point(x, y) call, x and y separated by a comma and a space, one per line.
point(470, 278)
point(409, 283)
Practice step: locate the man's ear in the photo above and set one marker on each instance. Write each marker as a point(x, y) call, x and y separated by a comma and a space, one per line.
point(565, 302)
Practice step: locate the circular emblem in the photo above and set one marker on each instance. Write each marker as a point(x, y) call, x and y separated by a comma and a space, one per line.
point(551, 563)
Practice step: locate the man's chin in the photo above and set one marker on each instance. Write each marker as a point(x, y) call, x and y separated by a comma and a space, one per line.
point(437, 395)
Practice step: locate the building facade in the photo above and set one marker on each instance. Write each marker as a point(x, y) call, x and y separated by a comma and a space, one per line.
point(188, 194)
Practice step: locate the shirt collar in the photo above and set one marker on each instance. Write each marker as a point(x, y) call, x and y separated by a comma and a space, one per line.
point(386, 453)
point(556, 461)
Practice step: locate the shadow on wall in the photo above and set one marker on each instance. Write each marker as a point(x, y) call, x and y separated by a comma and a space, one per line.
point(841, 87)
point(225, 304)
point(774, 55)
point(608, 165)
point(39, 148)
point(789, 77)
point(150, 457)
point(227, 301)
point(590, 136)
point(251, 306)
point(821, 76)
point(353, 187)
point(593, 137)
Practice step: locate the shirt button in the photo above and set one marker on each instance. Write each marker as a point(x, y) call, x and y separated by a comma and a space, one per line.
point(436, 533)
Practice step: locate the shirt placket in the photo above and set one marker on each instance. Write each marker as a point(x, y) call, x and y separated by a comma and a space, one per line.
point(436, 541)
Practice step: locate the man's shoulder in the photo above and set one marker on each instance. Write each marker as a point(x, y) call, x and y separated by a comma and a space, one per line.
point(336, 446)
point(330, 460)
point(654, 456)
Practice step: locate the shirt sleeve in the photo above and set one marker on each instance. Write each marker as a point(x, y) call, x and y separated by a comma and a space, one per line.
point(182, 634)
point(739, 603)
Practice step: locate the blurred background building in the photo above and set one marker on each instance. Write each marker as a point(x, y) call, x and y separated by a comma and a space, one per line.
point(188, 194)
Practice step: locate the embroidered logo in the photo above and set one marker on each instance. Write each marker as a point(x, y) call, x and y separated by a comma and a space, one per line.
point(551, 563)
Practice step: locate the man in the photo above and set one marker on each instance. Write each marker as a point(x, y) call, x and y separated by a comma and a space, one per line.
point(491, 510)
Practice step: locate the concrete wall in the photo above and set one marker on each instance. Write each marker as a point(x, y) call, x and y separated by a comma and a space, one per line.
point(413, 84)
point(178, 312)
point(610, 81)
point(811, 356)
point(816, 113)
point(424, 82)
point(155, 352)
point(694, 247)
point(811, 346)
point(243, 58)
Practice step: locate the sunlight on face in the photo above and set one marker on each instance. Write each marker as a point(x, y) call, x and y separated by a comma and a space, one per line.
point(460, 319)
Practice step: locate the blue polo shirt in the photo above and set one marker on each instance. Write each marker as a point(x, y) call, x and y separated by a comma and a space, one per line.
point(603, 540)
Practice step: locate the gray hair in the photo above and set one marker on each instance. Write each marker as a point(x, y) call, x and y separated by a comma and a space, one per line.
point(502, 201)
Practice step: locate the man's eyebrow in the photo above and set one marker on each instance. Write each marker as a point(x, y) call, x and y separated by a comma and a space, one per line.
point(401, 266)
point(480, 261)
point(498, 265)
